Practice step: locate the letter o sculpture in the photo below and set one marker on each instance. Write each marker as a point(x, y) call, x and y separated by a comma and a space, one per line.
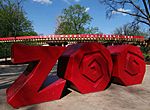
point(87, 66)
point(128, 65)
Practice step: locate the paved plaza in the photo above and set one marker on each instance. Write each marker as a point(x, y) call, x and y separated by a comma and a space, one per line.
point(116, 97)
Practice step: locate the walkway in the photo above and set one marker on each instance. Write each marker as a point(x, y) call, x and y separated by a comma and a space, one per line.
point(116, 97)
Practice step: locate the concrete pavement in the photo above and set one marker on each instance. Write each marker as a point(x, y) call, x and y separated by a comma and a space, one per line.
point(116, 97)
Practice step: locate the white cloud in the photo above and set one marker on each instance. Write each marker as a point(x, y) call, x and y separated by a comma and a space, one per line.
point(87, 9)
point(43, 1)
point(122, 10)
point(77, 0)
point(67, 2)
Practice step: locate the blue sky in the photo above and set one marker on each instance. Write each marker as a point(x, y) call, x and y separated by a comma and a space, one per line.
point(43, 14)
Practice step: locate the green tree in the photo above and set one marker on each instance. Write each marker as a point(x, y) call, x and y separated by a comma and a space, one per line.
point(13, 21)
point(75, 20)
point(138, 9)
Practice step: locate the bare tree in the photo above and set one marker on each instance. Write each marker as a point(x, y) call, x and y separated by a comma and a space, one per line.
point(139, 9)
point(129, 30)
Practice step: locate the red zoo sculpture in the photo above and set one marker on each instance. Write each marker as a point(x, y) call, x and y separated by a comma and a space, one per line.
point(87, 67)
point(128, 64)
point(31, 87)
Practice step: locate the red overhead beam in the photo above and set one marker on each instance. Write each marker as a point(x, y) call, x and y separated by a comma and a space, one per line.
point(74, 37)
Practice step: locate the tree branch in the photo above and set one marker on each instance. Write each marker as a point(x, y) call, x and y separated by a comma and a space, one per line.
point(141, 14)
point(146, 8)
point(138, 8)
point(132, 14)
point(143, 22)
